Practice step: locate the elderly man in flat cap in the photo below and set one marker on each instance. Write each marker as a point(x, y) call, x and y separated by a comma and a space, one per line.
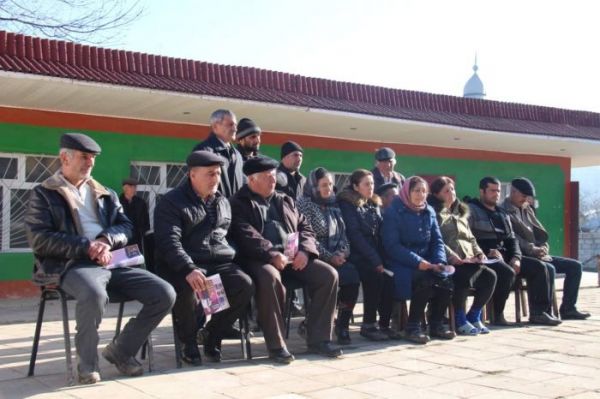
point(289, 179)
point(248, 138)
point(223, 127)
point(383, 172)
point(73, 223)
point(533, 239)
point(190, 225)
point(276, 241)
point(136, 210)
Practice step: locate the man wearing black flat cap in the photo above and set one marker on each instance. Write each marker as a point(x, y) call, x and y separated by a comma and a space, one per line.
point(276, 241)
point(223, 125)
point(387, 192)
point(533, 239)
point(248, 138)
point(289, 179)
point(136, 210)
point(383, 172)
point(72, 224)
point(190, 227)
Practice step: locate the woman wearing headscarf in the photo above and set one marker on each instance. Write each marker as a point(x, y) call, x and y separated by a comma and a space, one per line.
point(415, 251)
point(462, 252)
point(318, 204)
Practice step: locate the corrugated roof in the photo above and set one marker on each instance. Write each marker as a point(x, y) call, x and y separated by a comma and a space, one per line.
point(34, 55)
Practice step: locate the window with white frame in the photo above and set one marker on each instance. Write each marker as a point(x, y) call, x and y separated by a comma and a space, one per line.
point(19, 174)
point(156, 179)
point(340, 180)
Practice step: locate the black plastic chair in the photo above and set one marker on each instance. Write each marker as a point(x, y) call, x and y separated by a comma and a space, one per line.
point(56, 293)
point(291, 285)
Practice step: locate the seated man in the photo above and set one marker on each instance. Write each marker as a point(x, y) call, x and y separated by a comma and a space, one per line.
point(533, 239)
point(493, 230)
point(190, 225)
point(72, 224)
point(263, 221)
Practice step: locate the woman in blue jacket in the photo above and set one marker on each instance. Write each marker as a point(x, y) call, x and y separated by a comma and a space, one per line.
point(415, 251)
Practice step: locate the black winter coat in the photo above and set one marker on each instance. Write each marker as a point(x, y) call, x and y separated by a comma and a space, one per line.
point(363, 221)
point(137, 211)
point(232, 175)
point(292, 185)
point(184, 235)
point(397, 178)
point(54, 230)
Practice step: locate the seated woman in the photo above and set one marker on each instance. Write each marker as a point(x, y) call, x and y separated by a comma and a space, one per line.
point(415, 251)
point(319, 206)
point(462, 252)
point(360, 208)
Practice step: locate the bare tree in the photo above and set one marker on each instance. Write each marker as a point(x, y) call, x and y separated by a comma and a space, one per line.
point(589, 211)
point(92, 21)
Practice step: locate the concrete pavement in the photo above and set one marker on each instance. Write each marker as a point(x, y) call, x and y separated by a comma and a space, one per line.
point(515, 362)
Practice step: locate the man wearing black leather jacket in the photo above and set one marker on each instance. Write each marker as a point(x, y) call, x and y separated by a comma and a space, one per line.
point(190, 225)
point(73, 223)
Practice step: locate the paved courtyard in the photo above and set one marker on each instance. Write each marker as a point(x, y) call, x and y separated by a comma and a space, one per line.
point(516, 362)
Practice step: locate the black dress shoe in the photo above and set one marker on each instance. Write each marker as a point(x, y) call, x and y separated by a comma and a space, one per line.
point(440, 331)
point(574, 314)
point(281, 356)
point(343, 337)
point(544, 319)
point(325, 348)
point(190, 354)
point(212, 353)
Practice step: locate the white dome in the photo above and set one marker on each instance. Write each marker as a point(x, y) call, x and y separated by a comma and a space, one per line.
point(474, 87)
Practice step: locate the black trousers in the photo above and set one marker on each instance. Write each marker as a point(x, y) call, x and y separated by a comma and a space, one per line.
point(239, 290)
point(473, 276)
point(540, 283)
point(386, 301)
point(372, 283)
point(505, 279)
point(428, 287)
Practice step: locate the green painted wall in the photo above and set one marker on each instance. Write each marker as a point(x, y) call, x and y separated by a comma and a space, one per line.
point(118, 150)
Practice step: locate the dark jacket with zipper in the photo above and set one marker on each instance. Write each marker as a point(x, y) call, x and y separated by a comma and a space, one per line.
point(487, 236)
point(248, 226)
point(54, 230)
point(232, 175)
point(363, 220)
point(185, 236)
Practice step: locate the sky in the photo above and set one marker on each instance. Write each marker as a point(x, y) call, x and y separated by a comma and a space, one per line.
point(532, 52)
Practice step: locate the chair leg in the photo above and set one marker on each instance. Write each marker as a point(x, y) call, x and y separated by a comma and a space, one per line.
point(288, 312)
point(451, 318)
point(518, 304)
point(403, 315)
point(148, 348)
point(120, 318)
point(524, 305)
point(555, 303)
point(177, 344)
point(67, 336)
point(36, 336)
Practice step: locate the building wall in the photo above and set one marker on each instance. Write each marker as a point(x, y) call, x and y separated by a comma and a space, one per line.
point(124, 141)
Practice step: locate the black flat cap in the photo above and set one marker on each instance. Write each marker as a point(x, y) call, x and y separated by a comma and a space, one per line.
point(203, 158)
point(130, 181)
point(384, 153)
point(79, 142)
point(290, 146)
point(259, 164)
point(384, 187)
point(246, 127)
point(524, 185)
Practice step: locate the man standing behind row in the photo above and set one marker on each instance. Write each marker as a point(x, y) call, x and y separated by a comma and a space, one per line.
point(248, 138)
point(383, 172)
point(289, 179)
point(190, 224)
point(264, 221)
point(223, 125)
point(73, 223)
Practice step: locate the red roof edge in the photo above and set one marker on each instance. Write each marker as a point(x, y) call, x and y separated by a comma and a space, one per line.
point(30, 50)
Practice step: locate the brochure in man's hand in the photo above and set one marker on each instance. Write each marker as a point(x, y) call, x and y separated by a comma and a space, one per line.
point(127, 256)
point(291, 245)
point(213, 298)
